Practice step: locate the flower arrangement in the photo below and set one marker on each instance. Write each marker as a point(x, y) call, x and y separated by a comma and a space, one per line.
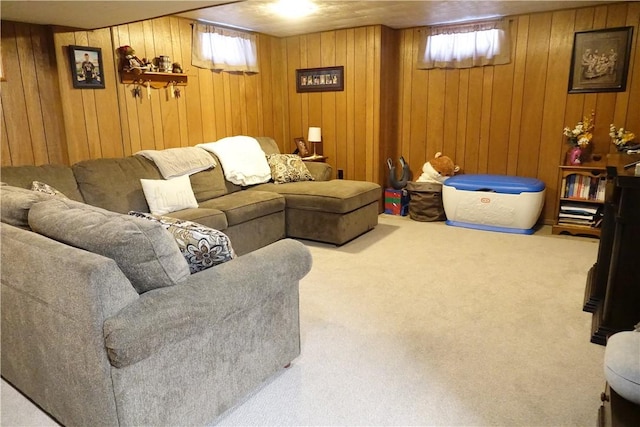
point(580, 135)
point(620, 137)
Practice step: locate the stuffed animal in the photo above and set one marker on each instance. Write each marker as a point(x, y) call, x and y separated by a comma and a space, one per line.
point(128, 59)
point(438, 169)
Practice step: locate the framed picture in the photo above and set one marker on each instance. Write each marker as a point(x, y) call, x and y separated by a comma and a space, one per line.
point(87, 69)
point(600, 60)
point(303, 150)
point(320, 79)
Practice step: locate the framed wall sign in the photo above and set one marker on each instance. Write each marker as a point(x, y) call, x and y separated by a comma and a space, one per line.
point(87, 69)
point(600, 60)
point(320, 79)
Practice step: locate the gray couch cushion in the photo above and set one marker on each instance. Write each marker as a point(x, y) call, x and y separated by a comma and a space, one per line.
point(114, 184)
point(245, 206)
point(15, 203)
point(211, 183)
point(268, 145)
point(145, 252)
point(213, 218)
point(57, 176)
point(335, 196)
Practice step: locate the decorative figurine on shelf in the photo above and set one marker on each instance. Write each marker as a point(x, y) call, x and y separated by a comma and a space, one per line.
point(177, 68)
point(164, 63)
point(148, 64)
point(128, 59)
point(579, 139)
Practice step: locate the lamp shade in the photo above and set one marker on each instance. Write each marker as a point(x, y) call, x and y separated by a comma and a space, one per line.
point(315, 134)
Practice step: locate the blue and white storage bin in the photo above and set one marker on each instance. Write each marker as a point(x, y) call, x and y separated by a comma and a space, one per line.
point(509, 204)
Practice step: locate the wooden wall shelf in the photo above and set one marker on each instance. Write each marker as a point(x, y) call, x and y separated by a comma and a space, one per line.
point(156, 80)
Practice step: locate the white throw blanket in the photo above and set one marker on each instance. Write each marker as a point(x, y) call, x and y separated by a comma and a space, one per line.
point(174, 162)
point(242, 159)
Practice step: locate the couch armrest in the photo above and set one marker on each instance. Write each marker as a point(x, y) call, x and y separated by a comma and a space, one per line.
point(54, 301)
point(166, 316)
point(319, 170)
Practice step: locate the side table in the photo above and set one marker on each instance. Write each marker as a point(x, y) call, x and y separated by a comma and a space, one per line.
point(318, 158)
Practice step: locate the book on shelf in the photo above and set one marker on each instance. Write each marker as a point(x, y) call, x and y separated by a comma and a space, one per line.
point(583, 187)
point(583, 223)
point(569, 207)
point(574, 214)
point(586, 217)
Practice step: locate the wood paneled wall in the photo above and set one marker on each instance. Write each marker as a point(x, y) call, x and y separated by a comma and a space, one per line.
point(502, 119)
point(46, 120)
point(91, 116)
point(354, 122)
point(508, 119)
point(213, 104)
point(32, 123)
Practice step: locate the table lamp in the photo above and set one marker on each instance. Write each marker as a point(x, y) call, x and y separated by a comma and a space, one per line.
point(315, 137)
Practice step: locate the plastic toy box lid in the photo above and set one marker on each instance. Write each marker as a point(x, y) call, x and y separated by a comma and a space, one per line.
point(496, 183)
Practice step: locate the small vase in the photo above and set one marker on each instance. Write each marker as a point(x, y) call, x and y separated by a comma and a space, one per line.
point(574, 156)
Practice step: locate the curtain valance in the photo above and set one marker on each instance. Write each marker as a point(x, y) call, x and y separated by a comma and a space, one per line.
point(465, 45)
point(218, 48)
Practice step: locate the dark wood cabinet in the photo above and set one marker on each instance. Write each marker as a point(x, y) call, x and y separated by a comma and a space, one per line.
point(612, 292)
point(615, 411)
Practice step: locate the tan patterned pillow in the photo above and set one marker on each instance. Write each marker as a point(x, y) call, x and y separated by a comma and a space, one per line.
point(288, 168)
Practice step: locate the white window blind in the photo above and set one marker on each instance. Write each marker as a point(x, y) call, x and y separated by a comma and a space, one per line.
point(223, 49)
point(465, 45)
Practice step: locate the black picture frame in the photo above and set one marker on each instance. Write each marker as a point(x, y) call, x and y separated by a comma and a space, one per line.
point(91, 76)
point(600, 60)
point(322, 79)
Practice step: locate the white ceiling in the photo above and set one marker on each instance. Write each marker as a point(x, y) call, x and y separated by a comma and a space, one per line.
point(256, 15)
point(89, 14)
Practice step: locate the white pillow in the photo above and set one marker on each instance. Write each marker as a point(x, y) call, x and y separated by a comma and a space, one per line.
point(164, 196)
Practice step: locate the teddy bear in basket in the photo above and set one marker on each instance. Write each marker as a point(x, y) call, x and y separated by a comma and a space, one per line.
point(438, 169)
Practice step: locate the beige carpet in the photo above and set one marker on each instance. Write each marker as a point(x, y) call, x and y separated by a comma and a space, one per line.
point(426, 324)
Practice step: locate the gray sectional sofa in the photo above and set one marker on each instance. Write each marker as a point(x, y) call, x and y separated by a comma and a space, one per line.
point(325, 210)
point(91, 346)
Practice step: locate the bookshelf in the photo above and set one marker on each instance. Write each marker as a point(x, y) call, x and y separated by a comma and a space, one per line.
point(581, 191)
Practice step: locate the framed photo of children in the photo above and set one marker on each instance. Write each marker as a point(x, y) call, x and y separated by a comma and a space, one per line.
point(320, 79)
point(87, 69)
point(600, 60)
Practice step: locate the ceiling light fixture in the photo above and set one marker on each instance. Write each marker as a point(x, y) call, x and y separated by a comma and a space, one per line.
point(294, 8)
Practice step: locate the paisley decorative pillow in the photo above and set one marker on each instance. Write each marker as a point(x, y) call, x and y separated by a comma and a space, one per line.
point(288, 168)
point(201, 246)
